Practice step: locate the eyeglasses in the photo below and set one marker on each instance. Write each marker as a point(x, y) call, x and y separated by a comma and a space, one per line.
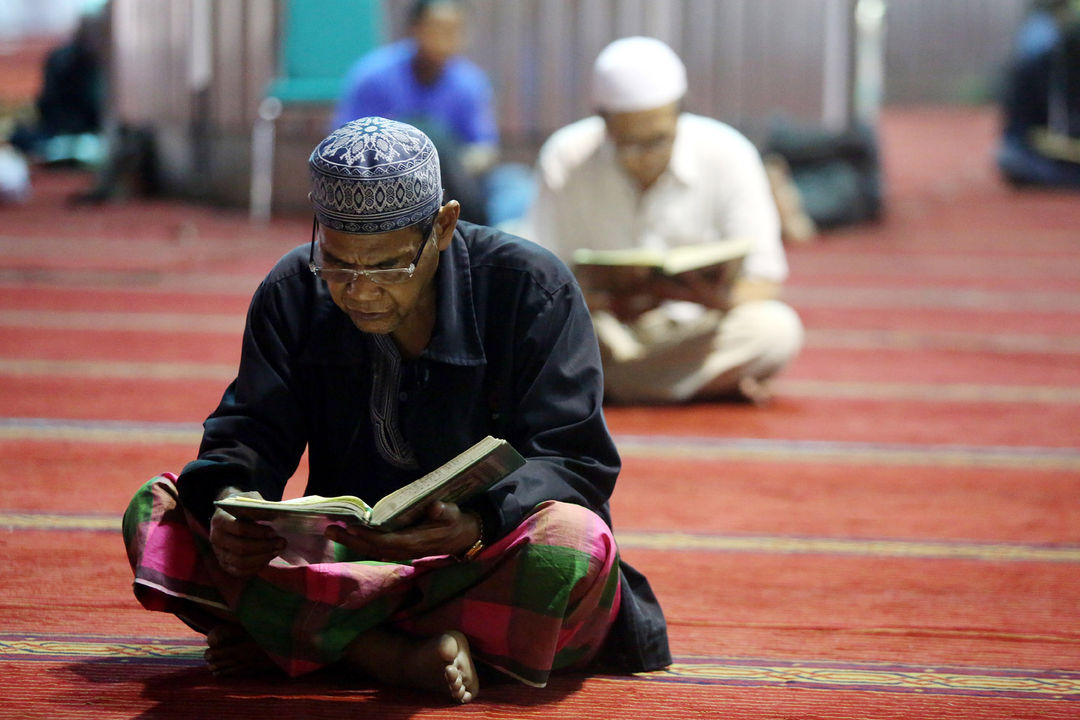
point(387, 276)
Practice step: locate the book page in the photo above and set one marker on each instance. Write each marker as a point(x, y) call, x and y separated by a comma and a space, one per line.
point(477, 468)
point(347, 508)
point(671, 261)
point(696, 257)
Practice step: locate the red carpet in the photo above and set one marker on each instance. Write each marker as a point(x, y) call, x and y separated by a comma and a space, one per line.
point(897, 536)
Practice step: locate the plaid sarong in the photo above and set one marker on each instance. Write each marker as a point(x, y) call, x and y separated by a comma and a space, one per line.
point(540, 599)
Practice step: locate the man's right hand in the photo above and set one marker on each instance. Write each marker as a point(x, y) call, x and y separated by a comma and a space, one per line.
point(242, 547)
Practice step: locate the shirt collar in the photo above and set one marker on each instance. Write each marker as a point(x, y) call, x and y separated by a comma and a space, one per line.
point(455, 339)
point(683, 166)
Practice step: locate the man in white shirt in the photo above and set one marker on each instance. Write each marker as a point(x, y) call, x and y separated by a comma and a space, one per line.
point(642, 173)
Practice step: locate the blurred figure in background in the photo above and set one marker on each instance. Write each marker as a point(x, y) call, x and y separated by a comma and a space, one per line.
point(1040, 143)
point(425, 81)
point(14, 175)
point(643, 173)
point(69, 110)
point(1042, 25)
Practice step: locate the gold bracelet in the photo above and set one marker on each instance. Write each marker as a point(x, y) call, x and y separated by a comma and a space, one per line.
point(478, 546)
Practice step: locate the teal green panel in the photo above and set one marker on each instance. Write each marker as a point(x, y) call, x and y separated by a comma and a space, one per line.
point(320, 40)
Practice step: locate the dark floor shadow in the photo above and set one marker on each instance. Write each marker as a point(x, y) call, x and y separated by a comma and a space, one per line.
point(178, 690)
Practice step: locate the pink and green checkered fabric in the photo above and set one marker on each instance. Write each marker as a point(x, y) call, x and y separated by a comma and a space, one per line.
point(539, 600)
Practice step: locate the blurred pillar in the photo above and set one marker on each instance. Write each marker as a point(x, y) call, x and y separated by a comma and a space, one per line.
point(836, 90)
point(869, 60)
point(262, 159)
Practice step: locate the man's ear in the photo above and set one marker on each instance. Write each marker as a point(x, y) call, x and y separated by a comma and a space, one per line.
point(446, 222)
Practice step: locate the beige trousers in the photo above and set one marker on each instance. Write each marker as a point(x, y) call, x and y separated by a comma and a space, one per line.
point(661, 359)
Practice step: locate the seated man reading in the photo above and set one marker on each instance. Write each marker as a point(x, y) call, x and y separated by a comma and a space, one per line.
point(393, 341)
point(643, 174)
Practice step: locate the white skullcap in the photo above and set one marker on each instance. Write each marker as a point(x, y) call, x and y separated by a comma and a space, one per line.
point(637, 73)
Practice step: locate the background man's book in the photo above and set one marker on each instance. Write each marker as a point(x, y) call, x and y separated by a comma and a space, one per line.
point(631, 292)
point(721, 260)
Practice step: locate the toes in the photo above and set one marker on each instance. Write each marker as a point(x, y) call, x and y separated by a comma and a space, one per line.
point(460, 673)
point(230, 651)
point(454, 680)
point(225, 661)
point(456, 683)
point(224, 635)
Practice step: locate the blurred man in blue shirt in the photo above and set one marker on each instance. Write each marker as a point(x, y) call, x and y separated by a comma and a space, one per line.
point(425, 81)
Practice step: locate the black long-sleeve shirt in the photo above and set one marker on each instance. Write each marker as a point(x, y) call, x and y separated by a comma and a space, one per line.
point(512, 355)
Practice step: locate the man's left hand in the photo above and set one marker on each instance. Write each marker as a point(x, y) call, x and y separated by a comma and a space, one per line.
point(443, 529)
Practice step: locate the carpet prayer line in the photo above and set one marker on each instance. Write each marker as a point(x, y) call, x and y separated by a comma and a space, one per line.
point(771, 451)
point(746, 672)
point(232, 325)
point(656, 447)
point(803, 388)
point(691, 542)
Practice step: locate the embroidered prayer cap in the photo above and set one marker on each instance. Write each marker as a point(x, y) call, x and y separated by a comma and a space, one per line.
point(637, 73)
point(375, 175)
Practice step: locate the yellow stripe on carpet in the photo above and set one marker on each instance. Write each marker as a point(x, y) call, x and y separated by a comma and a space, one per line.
point(687, 542)
point(979, 681)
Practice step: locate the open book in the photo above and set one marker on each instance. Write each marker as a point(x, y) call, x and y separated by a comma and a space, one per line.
point(671, 261)
point(473, 471)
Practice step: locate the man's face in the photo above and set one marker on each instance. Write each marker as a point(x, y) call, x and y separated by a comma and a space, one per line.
point(377, 308)
point(439, 33)
point(643, 141)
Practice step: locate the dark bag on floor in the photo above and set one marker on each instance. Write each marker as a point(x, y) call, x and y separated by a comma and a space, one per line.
point(838, 174)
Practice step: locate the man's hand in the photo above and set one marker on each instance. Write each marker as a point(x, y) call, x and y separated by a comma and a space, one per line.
point(704, 287)
point(242, 547)
point(747, 289)
point(622, 291)
point(636, 290)
point(443, 529)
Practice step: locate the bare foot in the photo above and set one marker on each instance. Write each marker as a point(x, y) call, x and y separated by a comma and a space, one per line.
point(440, 664)
point(795, 224)
point(230, 652)
point(459, 670)
point(755, 391)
